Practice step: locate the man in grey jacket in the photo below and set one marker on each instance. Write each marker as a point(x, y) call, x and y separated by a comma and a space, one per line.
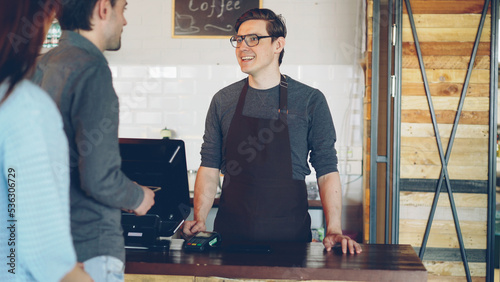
point(77, 76)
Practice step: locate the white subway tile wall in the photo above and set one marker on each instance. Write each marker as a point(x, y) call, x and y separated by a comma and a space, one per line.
point(169, 82)
point(178, 97)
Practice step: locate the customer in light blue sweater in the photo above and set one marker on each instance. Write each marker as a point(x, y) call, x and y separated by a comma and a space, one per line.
point(35, 237)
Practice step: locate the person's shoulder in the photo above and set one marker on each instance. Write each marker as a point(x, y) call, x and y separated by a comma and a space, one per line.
point(29, 101)
point(72, 57)
point(28, 91)
point(74, 63)
point(304, 89)
point(33, 96)
point(295, 83)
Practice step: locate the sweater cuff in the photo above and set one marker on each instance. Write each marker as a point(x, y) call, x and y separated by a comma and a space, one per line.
point(137, 196)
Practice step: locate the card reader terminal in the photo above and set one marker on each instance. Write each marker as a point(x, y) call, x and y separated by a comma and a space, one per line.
point(201, 241)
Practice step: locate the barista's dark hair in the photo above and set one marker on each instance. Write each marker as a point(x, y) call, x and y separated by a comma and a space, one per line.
point(76, 14)
point(22, 33)
point(275, 24)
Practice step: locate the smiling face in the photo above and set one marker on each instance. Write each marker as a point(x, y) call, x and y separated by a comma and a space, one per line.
point(261, 59)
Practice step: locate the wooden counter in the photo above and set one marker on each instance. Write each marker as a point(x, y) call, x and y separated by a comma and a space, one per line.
point(306, 261)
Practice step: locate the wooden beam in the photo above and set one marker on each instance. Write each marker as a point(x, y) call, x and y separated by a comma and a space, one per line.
point(455, 269)
point(447, 75)
point(457, 158)
point(461, 200)
point(446, 48)
point(441, 278)
point(445, 116)
point(464, 172)
point(446, 89)
point(445, 7)
point(411, 212)
point(441, 226)
point(445, 34)
point(428, 144)
point(445, 103)
point(438, 240)
point(445, 62)
point(427, 130)
point(447, 20)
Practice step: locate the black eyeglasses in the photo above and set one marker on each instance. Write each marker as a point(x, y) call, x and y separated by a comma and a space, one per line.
point(250, 39)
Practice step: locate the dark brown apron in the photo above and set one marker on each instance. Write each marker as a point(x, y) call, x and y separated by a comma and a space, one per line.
point(260, 200)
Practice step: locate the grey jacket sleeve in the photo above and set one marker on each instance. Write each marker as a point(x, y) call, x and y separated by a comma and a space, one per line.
point(94, 114)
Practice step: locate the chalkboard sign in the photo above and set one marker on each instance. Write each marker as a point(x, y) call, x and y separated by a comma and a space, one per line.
point(208, 18)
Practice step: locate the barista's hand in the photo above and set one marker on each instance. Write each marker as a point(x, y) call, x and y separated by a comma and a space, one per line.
point(345, 241)
point(191, 227)
point(147, 202)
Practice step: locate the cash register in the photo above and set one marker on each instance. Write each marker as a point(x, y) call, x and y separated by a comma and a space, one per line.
point(159, 164)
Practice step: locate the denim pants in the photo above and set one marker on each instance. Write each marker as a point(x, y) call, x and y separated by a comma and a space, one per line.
point(105, 269)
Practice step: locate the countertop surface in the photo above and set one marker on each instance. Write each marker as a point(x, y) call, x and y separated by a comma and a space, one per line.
point(297, 261)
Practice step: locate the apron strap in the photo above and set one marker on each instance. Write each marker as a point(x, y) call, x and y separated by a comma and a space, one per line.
point(283, 110)
point(241, 100)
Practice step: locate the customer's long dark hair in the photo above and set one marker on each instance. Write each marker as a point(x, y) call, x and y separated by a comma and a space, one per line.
point(22, 32)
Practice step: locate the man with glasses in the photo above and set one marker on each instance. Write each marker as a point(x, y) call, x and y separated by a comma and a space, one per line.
point(259, 132)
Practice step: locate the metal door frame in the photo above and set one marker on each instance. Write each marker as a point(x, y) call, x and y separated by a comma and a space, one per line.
point(392, 203)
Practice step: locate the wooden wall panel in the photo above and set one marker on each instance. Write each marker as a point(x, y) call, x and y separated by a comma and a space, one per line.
point(454, 269)
point(443, 213)
point(447, 20)
point(439, 278)
point(442, 226)
point(462, 200)
point(415, 212)
point(446, 75)
point(444, 116)
point(439, 240)
point(427, 130)
point(446, 89)
point(445, 103)
point(463, 172)
point(428, 144)
point(414, 157)
point(446, 62)
point(446, 32)
point(445, 7)
point(446, 48)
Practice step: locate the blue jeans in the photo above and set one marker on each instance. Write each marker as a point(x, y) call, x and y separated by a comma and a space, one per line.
point(105, 269)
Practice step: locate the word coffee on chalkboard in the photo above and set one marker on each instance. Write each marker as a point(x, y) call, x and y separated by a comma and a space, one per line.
point(208, 18)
